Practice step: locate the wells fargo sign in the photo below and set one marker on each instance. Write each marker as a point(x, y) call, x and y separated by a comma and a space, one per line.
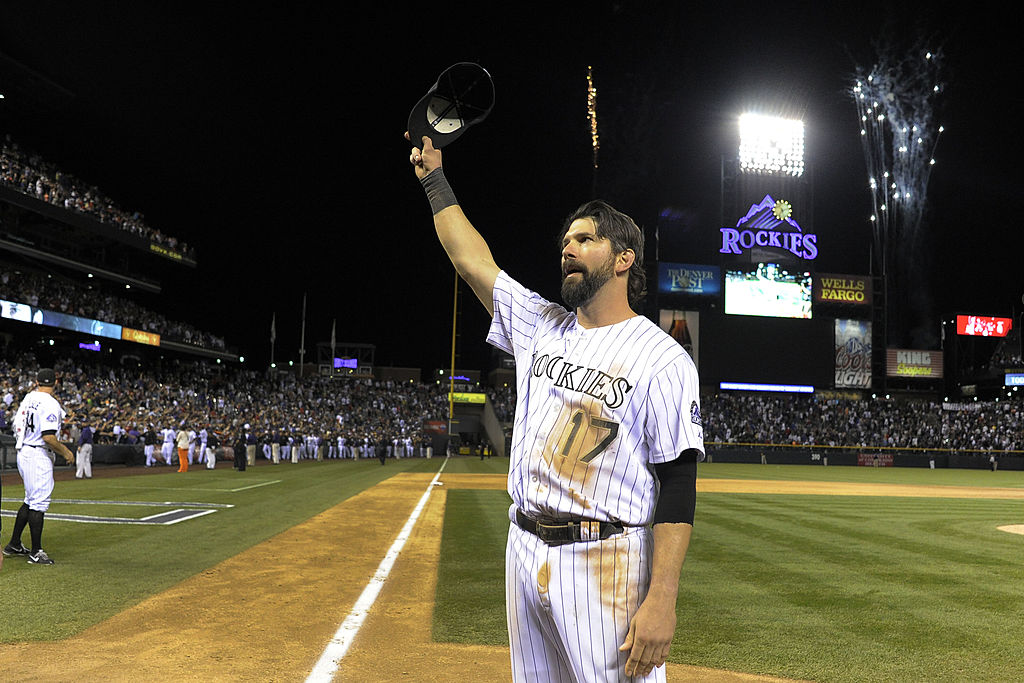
point(842, 289)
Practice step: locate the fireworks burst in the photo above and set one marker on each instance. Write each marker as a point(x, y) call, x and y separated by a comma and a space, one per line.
point(595, 142)
point(896, 102)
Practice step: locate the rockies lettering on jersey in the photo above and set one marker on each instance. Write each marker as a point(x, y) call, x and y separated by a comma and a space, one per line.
point(596, 409)
point(592, 382)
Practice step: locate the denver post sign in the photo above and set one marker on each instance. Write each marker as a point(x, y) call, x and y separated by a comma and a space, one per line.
point(687, 278)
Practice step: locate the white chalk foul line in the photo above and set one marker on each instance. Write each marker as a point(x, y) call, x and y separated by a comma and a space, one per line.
point(254, 486)
point(338, 646)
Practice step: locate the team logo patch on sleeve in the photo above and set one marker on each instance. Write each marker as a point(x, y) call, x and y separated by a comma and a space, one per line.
point(51, 418)
point(695, 414)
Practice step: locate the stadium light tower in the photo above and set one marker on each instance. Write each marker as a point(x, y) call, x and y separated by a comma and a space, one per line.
point(768, 160)
point(771, 145)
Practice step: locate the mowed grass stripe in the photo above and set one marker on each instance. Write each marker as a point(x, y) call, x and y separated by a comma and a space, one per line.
point(908, 526)
point(469, 604)
point(776, 585)
point(880, 475)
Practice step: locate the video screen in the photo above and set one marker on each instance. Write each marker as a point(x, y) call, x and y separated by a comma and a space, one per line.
point(983, 326)
point(769, 290)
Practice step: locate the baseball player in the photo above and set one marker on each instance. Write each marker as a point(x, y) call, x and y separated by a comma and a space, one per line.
point(210, 445)
point(149, 441)
point(250, 446)
point(204, 438)
point(167, 449)
point(84, 453)
point(192, 436)
point(603, 464)
point(36, 426)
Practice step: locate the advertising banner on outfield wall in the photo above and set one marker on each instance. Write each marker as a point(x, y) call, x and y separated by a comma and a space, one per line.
point(435, 427)
point(853, 290)
point(684, 327)
point(874, 459)
point(853, 354)
point(913, 363)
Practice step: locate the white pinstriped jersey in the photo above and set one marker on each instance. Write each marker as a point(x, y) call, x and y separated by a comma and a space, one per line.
point(596, 408)
point(39, 412)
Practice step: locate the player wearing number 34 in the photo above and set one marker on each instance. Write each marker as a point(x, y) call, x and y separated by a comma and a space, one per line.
point(606, 440)
point(36, 426)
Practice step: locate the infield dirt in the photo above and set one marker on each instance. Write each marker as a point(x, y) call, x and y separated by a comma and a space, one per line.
point(267, 614)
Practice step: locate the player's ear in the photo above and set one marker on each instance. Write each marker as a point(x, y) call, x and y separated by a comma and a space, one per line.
point(625, 261)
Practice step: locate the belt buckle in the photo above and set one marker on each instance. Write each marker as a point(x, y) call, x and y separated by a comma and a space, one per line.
point(590, 531)
point(551, 534)
point(544, 532)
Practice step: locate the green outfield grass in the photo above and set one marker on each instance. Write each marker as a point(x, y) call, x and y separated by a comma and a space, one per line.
point(828, 588)
point(101, 569)
point(915, 476)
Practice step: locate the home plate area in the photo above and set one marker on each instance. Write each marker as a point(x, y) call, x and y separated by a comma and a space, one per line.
point(181, 512)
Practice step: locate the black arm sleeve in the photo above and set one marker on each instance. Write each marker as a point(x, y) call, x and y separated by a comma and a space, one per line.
point(678, 498)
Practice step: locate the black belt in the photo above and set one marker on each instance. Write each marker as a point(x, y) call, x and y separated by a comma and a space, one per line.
point(571, 531)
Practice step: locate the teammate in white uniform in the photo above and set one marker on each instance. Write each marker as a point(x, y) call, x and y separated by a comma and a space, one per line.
point(203, 438)
point(607, 438)
point(192, 436)
point(36, 426)
point(167, 449)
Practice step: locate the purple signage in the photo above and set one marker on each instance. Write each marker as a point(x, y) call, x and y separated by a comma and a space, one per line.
point(769, 224)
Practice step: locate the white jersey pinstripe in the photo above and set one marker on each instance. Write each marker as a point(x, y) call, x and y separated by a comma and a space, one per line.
point(39, 412)
point(596, 409)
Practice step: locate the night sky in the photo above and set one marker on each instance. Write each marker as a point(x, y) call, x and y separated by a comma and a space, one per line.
point(271, 141)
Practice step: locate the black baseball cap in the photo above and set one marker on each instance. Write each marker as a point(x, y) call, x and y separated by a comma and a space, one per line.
point(46, 377)
point(462, 97)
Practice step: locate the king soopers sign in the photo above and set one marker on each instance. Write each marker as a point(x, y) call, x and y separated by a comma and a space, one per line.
point(769, 224)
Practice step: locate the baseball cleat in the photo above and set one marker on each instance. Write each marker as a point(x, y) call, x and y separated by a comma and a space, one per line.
point(11, 549)
point(39, 557)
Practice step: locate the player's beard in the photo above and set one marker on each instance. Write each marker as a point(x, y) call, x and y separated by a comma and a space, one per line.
point(579, 291)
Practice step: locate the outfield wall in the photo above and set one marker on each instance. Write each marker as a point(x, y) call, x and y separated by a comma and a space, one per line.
point(809, 455)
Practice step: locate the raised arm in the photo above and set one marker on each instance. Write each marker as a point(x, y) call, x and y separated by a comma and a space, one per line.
point(466, 248)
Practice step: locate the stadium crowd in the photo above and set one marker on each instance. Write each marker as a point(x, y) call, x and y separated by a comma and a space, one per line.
point(62, 296)
point(806, 420)
point(27, 173)
point(121, 404)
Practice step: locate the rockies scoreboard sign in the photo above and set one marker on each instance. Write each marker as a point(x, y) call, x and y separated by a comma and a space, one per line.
point(769, 224)
point(854, 290)
point(689, 279)
point(910, 363)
